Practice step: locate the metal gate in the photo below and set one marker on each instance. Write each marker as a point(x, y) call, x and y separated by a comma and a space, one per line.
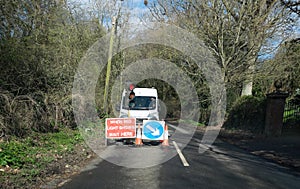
point(291, 116)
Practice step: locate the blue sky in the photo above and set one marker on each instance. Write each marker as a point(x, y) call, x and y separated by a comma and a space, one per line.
point(135, 7)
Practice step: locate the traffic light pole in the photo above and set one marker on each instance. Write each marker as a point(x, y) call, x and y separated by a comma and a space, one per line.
point(108, 71)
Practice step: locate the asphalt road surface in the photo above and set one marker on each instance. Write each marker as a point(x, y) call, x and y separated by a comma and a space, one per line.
point(222, 166)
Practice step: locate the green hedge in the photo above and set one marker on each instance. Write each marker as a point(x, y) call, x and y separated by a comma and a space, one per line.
point(247, 113)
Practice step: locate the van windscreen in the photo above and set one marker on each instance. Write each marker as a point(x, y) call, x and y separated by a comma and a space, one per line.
point(140, 103)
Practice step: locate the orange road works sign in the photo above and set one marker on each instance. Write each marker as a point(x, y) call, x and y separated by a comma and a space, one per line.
point(120, 128)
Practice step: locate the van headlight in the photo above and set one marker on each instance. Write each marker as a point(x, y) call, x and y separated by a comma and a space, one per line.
point(122, 115)
point(153, 116)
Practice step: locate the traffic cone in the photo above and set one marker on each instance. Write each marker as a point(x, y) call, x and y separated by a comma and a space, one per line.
point(138, 139)
point(166, 137)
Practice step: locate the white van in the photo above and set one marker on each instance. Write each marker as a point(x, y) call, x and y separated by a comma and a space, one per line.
point(144, 106)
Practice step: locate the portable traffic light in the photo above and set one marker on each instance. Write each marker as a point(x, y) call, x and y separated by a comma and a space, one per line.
point(131, 87)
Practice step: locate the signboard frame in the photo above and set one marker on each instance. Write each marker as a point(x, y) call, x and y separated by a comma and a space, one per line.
point(161, 135)
point(118, 126)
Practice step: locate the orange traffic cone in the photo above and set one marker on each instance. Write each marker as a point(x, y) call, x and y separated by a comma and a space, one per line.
point(138, 139)
point(166, 137)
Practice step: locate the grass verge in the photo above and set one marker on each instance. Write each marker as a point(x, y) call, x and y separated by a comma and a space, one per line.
point(31, 161)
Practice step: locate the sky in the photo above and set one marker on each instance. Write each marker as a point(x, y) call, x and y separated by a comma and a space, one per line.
point(135, 7)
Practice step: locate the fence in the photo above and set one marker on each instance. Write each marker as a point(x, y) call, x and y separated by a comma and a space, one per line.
point(291, 116)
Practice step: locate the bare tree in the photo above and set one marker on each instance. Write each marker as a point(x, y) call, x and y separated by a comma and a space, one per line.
point(285, 65)
point(41, 43)
point(234, 30)
point(293, 5)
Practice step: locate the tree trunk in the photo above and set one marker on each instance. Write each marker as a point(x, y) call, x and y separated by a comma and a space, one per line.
point(247, 88)
point(248, 83)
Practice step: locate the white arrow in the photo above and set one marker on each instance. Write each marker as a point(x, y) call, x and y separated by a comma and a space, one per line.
point(155, 132)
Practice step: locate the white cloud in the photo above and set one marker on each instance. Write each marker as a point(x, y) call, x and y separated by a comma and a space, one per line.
point(136, 9)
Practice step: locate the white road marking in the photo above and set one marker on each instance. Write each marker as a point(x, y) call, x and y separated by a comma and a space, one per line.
point(183, 160)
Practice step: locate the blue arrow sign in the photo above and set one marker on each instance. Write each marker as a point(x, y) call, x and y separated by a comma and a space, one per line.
point(153, 130)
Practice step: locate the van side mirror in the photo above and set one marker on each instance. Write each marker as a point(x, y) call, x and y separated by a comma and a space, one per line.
point(117, 107)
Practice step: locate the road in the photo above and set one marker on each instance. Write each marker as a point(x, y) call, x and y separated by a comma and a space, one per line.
point(222, 166)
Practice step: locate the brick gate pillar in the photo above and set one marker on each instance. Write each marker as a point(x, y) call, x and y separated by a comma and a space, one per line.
point(274, 113)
